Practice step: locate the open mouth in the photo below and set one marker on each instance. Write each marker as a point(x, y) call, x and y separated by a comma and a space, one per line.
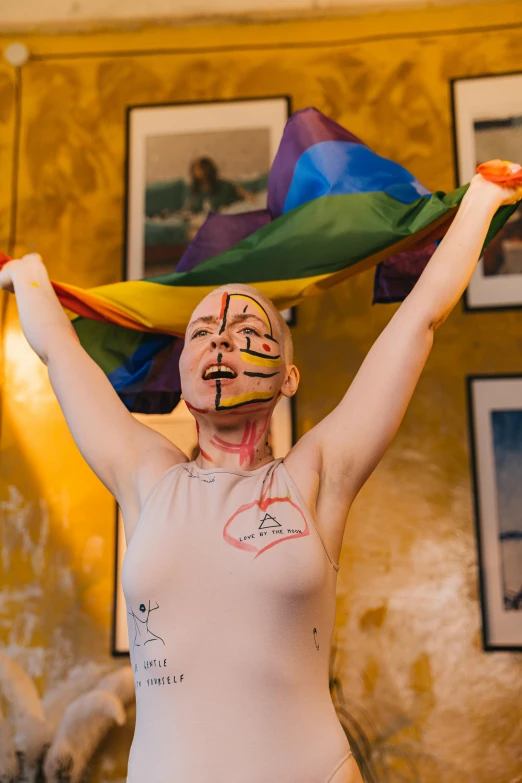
point(217, 371)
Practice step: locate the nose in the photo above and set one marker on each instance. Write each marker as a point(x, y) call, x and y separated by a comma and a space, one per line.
point(221, 342)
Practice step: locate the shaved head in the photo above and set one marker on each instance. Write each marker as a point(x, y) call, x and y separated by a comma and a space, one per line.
point(284, 334)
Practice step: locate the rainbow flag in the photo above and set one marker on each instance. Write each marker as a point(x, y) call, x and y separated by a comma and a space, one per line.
point(335, 208)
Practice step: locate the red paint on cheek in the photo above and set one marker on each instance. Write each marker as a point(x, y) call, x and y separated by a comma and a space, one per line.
point(266, 347)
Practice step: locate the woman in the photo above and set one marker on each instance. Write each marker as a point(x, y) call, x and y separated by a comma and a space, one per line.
point(231, 565)
point(208, 191)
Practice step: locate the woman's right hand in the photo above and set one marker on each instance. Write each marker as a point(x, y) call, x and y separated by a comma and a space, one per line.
point(6, 273)
point(6, 282)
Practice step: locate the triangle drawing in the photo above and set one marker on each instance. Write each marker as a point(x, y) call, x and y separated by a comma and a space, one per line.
point(269, 521)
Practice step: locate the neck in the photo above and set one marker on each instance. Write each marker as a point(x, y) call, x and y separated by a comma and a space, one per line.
point(234, 440)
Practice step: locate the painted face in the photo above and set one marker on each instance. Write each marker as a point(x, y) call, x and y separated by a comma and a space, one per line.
point(232, 358)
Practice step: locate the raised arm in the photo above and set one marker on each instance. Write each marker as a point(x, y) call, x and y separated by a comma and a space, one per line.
point(342, 451)
point(125, 454)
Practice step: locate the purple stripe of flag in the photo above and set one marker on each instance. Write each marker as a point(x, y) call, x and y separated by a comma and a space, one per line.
point(219, 233)
point(304, 129)
point(395, 277)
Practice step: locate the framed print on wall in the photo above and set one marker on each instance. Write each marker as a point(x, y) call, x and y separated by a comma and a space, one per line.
point(185, 160)
point(487, 113)
point(495, 411)
point(179, 427)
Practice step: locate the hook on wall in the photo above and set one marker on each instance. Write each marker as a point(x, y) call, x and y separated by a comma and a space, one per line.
point(16, 54)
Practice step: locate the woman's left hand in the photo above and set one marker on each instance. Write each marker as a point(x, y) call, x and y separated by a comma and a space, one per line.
point(508, 193)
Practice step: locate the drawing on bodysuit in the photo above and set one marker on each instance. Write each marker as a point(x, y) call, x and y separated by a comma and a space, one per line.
point(199, 478)
point(315, 638)
point(257, 526)
point(149, 636)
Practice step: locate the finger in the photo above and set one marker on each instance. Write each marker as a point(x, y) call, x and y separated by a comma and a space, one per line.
point(34, 256)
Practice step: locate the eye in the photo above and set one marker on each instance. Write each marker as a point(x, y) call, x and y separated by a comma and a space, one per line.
point(199, 333)
point(249, 330)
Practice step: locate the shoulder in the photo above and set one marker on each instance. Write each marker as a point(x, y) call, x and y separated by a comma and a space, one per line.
point(303, 464)
point(152, 463)
point(323, 488)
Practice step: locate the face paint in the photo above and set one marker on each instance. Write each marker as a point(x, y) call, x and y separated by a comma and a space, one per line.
point(260, 374)
point(248, 355)
point(241, 399)
point(246, 448)
point(259, 359)
point(234, 332)
point(203, 453)
point(224, 310)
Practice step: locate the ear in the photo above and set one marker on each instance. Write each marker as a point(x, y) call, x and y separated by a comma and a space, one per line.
point(291, 381)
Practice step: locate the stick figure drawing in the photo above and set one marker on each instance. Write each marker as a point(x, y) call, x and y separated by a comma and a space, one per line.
point(150, 636)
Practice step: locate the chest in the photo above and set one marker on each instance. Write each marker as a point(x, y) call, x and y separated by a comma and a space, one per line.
point(203, 541)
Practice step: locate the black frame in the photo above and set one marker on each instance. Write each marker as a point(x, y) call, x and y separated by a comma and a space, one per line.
point(114, 651)
point(132, 107)
point(466, 306)
point(487, 646)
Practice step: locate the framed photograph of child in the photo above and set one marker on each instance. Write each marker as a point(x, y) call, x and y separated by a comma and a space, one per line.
point(495, 413)
point(487, 113)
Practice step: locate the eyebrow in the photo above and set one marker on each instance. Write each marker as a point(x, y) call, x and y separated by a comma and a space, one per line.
point(204, 319)
point(240, 317)
point(237, 318)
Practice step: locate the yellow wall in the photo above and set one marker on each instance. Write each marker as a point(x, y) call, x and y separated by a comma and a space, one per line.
point(408, 612)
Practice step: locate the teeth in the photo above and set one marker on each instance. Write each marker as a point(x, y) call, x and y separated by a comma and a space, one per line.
point(220, 369)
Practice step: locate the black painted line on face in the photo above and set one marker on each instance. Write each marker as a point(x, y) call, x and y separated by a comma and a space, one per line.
point(219, 358)
point(258, 304)
point(218, 393)
point(261, 355)
point(261, 374)
point(242, 404)
point(269, 337)
point(224, 322)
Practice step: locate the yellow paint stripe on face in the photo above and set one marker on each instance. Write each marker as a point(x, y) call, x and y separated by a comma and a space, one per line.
point(258, 307)
point(242, 399)
point(261, 361)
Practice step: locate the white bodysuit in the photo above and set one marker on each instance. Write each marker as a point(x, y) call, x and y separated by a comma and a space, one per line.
point(230, 597)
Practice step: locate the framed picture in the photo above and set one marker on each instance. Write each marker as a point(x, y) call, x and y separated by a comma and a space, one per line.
point(487, 114)
point(495, 410)
point(185, 160)
point(179, 426)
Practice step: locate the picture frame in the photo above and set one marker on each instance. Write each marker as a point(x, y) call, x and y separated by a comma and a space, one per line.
point(161, 138)
point(495, 426)
point(186, 159)
point(179, 427)
point(487, 123)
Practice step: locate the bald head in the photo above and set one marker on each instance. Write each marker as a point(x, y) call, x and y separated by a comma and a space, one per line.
point(283, 333)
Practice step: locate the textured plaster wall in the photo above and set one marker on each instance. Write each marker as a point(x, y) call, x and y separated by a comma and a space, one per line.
point(408, 627)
